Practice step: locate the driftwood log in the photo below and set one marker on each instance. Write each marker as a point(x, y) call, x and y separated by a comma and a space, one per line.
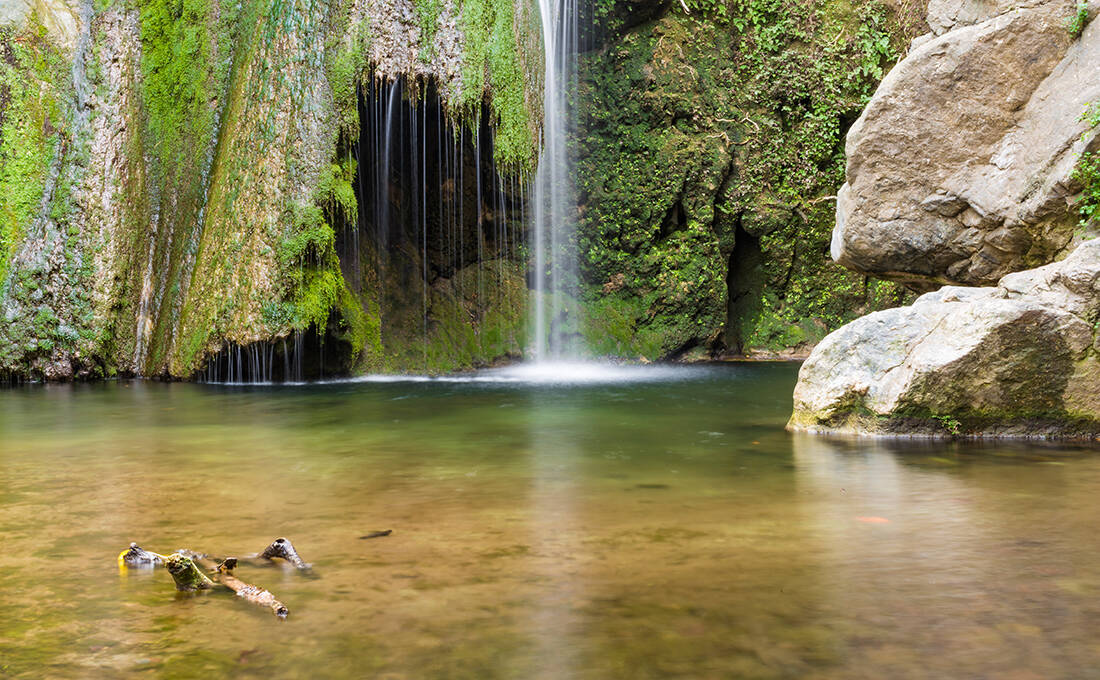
point(189, 570)
point(134, 556)
point(223, 573)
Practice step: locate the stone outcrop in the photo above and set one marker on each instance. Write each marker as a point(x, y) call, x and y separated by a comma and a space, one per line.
point(960, 169)
point(1018, 359)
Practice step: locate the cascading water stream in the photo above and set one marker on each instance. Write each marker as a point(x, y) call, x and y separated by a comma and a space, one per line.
point(553, 201)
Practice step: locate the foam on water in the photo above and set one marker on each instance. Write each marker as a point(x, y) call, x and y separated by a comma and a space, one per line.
point(553, 373)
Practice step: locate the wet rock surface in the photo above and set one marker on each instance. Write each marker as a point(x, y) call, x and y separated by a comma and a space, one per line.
point(1017, 359)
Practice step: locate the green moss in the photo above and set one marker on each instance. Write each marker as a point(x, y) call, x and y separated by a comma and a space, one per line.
point(728, 124)
point(184, 62)
point(493, 67)
point(32, 78)
point(613, 325)
point(467, 321)
point(346, 64)
point(427, 15)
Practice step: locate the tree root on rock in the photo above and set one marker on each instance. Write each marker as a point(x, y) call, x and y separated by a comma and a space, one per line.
point(189, 571)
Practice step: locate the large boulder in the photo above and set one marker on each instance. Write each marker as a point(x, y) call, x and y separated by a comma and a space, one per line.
point(959, 170)
point(1018, 359)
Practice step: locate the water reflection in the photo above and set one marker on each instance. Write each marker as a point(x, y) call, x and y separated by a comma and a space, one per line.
point(958, 559)
point(635, 529)
point(557, 556)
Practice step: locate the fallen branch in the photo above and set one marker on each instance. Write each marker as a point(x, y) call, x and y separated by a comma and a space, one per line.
point(187, 570)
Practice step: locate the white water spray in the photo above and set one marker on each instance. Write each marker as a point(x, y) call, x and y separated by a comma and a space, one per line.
point(554, 204)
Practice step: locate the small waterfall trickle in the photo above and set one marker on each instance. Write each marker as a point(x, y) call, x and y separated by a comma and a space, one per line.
point(442, 224)
point(554, 196)
point(289, 359)
point(434, 253)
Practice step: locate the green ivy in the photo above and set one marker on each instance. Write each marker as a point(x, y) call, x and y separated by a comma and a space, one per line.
point(1087, 173)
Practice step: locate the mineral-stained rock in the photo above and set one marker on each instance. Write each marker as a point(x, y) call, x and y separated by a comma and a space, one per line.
point(1018, 359)
point(59, 18)
point(959, 170)
point(944, 15)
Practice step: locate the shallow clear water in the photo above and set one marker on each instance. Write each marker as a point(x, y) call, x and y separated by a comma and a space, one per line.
point(649, 525)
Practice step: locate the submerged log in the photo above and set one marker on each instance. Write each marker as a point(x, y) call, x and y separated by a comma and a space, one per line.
point(378, 534)
point(135, 556)
point(187, 576)
point(282, 547)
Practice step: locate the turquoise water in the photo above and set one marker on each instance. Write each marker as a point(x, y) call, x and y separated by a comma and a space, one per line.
point(650, 523)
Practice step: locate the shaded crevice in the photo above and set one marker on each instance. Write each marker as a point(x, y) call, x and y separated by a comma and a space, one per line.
point(439, 228)
point(299, 357)
point(675, 219)
point(427, 186)
point(744, 284)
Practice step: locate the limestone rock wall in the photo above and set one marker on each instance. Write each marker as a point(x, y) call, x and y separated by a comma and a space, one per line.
point(1018, 359)
point(177, 170)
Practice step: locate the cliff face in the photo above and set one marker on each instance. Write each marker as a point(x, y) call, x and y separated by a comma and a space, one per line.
point(179, 169)
point(188, 179)
point(977, 157)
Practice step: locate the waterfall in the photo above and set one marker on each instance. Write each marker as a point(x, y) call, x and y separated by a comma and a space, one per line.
point(434, 246)
point(553, 201)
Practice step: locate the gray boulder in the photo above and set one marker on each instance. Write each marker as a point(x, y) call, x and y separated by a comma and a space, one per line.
point(959, 170)
point(1018, 359)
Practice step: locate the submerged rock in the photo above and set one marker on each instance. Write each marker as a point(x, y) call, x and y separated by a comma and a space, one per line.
point(960, 168)
point(1018, 359)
